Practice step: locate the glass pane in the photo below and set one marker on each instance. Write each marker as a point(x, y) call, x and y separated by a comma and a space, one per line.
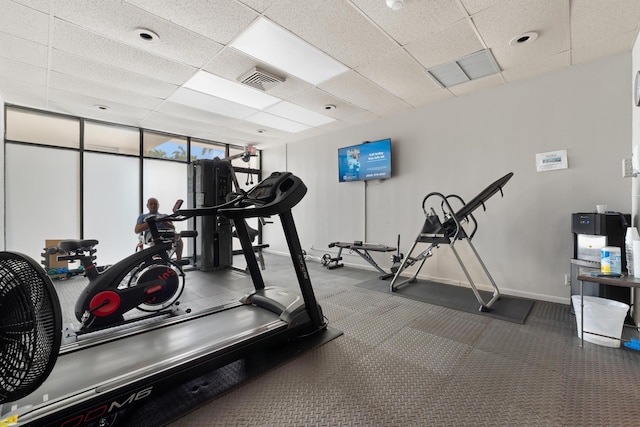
point(111, 138)
point(206, 150)
point(167, 182)
point(163, 146)
point(252, 161)
point(110, 216)
point(42, 128)
point(42, 197)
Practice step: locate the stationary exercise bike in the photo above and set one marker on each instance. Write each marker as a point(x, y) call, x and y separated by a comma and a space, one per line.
point(149, 280)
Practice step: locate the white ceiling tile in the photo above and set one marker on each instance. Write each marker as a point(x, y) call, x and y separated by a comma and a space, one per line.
point(217, 86)
point(445, 46)
point(334, 27)
point(83, 67)
point(299, 114)
point(364, 117)
point(186, 111)
point(275, 122)
point(315, 99)
point(258, 5)
point(20, 93)
point(415, 19)
point(475, 6)
point(537, 68)
point(269, 42)
point(331, 127)
point(398, 73)
point(22, 50)
point(163, 123)
point(119, 117)
point(40, 5)
point(76, 103)
point(477, 85)
point(184, 122)
point(211, 104)
point(23, 72)
point(359, 91)
point(592, 21)
point(24, 22)
point(107, 94)
point(392, 107)
point(422, 98)
point(232, 64)
point(249, 132)
point(501, 23)
point(76, 40)
point(218, 20)
point(603, 48)
point(118, 20)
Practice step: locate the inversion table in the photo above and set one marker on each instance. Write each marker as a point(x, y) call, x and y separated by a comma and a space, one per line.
point(448, 231)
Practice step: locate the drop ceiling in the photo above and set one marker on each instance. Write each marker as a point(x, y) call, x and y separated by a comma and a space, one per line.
point(70, 56)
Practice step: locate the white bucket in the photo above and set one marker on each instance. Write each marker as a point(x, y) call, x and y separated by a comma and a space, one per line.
point(602, 316)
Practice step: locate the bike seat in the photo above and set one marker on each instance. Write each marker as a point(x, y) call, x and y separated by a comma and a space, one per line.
point(77, 245)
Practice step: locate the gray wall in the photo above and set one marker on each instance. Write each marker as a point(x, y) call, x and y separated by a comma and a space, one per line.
point(459, 146)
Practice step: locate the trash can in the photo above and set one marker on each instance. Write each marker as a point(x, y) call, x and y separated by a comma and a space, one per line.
point(602, 316)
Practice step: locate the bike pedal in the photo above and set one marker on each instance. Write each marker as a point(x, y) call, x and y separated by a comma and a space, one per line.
point(182, 262)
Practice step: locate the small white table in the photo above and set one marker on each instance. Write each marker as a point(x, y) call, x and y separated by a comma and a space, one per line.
point(585, 276)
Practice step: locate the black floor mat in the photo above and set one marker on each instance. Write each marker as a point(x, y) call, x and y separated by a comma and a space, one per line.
point(461, 298)
point(183, 398)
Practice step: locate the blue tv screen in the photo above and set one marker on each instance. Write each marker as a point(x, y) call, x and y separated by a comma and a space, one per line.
point(369, 160)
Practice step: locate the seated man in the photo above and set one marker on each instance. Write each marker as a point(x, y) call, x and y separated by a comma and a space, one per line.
point(143, 227)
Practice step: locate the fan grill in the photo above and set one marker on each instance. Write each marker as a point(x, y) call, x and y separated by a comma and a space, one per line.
point(30, 326)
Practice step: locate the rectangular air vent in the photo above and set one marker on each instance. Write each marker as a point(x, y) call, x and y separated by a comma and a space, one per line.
point(260, 79)
point(471, 67)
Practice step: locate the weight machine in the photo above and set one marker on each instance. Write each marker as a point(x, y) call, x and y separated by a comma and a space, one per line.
point(211, 183)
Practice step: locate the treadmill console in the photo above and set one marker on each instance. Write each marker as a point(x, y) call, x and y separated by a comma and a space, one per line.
point(275, 194)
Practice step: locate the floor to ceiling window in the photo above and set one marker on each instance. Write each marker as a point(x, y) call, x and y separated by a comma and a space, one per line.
point(69, 178)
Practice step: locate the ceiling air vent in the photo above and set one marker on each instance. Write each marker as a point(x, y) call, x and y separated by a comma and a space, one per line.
point(260, 79)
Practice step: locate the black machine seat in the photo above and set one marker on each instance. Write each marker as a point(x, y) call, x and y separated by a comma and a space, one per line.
point(433, 231)
point(77, 245)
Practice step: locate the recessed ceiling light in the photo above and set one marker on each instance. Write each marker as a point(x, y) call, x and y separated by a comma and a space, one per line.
point(101, 107)
point(523, 38)
point(261, 131)
point(329, 107)
point(395, 4)
point(279, 48)
point(146, 35)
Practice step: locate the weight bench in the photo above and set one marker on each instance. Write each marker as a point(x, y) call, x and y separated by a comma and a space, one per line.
point(362, 249)
point(447, 231)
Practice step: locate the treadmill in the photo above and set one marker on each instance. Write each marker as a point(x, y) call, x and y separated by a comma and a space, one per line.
point(95, 378)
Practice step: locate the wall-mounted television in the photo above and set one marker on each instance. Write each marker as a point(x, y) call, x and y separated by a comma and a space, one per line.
point(369, 160)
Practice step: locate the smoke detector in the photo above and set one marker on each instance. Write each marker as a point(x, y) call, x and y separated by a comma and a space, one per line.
point(260, 79)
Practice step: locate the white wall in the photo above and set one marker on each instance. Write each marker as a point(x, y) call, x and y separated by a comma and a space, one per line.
point(459, 147)
point(635, 140)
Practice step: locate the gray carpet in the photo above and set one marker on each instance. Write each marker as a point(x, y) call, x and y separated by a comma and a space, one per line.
point(461, 298)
